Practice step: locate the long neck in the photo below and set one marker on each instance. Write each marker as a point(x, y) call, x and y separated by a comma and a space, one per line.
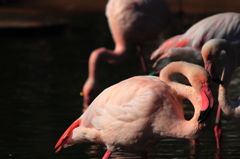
point(185, 92)
point(101, 54)
point(223, 92)
point(210, 52)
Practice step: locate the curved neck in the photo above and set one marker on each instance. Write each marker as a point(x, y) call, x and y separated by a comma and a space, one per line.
point(184, 91)
point(223, 91)
point(100, 54)
point(210, 52)
point(198, 93)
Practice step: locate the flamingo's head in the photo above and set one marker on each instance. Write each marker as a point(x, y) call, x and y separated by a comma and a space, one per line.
point(211, 51)
point(90, 92)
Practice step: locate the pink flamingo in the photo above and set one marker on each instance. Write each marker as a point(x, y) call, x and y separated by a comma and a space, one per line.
point(137, 113)
point(131, 22)
point(187, 46)
point(210, 52)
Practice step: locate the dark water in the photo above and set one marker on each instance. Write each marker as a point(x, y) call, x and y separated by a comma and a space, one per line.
point(41, 77)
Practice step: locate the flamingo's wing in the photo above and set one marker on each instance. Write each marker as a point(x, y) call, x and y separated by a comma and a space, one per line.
point(166, 48)
point(222, 26)
point(114, 115)
point(119, 117)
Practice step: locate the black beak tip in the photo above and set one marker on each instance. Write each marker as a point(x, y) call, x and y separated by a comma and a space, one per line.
point(204, 114)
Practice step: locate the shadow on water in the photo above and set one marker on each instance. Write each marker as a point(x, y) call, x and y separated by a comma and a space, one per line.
point(41, 77)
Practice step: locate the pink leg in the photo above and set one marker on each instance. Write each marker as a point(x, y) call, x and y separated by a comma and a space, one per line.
point(217, 128)
point(143, 154)
point(107, 154)
point(194, 142)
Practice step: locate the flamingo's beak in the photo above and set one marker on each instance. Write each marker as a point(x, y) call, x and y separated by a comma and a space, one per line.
point(209, 66)
point(207, 102)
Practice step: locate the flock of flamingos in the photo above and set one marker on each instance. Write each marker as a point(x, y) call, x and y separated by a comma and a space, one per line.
point(136, 113)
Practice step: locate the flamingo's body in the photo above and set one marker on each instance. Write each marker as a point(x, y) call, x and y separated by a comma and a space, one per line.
point(188, 45)
point(211, 52)
point(131, 22)
point(138, 112)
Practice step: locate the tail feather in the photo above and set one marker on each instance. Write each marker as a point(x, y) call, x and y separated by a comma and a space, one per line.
point(64, 138)
point(165, 46)
point(163, 50)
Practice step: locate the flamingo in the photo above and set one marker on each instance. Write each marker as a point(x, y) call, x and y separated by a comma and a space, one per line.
point(188, 46)
point(136, 113)
point(131, 22)
point(210, 53)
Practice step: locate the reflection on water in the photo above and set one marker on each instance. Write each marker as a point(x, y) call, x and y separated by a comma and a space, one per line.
point(41, 78)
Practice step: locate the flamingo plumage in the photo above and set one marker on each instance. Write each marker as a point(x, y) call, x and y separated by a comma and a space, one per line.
point(131, 22)
point(138, 112)
point(188, 46)
point(211, 52)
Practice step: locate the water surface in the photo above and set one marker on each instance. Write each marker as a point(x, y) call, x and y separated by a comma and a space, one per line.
point(41, 77)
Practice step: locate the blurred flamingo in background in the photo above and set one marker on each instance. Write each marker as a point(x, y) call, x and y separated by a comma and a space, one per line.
point(211, 52)
point(137, 113)
point(131, 22)
point(188, 46)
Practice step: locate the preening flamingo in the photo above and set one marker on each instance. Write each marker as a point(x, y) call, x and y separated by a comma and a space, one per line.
point(137, 113)
point(210, 53)
point(188, 46)
point(131, 23)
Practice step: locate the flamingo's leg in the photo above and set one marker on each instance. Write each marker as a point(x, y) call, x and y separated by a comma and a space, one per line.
point(107, 154)
point(217, 128)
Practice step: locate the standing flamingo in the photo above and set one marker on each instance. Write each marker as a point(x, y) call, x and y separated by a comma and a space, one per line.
point(138, 112)
point(131, 22)
point(210, 53)
point(187, 46)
